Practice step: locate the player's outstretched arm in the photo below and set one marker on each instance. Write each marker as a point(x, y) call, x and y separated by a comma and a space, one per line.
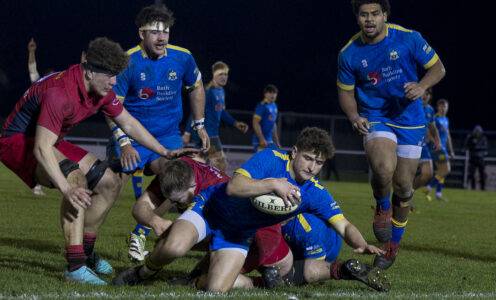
point(258, 131)
point(354, 238)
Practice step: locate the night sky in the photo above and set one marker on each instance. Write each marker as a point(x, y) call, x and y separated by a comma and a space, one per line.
point(292, 44)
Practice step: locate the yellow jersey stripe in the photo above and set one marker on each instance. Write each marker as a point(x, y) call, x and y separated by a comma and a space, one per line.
point(178, 48)
point(316, 182)
point(398, 224)
point(257, 117)
point(353, 38)
point(345, 86)
point(321, 258)
point(336, 218)
point(403, 127)
point(304, 223)
point(133, 50)
point(431, 62)
point(397, 27)
point(243, 172)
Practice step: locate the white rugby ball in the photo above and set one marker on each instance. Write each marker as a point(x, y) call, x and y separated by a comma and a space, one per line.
point(272, 204)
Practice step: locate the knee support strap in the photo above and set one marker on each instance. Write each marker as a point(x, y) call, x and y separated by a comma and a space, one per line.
point(96, 173)
point(401, 202)
point(67, 166)
point(295, 275)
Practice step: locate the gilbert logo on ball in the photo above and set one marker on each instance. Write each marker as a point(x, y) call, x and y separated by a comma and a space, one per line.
point(272, 204)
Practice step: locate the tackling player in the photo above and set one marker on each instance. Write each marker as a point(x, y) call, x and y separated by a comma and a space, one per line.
point(225, 213)
point(379, 66)
point(264, 121)
point(32, 146)
point(150, 89)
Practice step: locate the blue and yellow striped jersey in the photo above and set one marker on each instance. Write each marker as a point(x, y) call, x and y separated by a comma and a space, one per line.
point(379, 71)
point(151, 89)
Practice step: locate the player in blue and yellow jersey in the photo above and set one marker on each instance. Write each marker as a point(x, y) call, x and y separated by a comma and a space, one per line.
point(215, 111)
point(379, 65)
point(225, 213)
point(150, 89)
point(264, 121)
point(441, 157)
point(431, 138)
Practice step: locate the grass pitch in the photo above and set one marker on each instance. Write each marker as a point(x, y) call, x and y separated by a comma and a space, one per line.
point(448, 250)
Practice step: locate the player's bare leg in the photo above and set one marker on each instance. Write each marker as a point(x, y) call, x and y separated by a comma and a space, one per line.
point(381, 155)
point(225, 266)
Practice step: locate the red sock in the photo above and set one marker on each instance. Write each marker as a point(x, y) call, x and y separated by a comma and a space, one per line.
point(257, 281)
point(89, 243)
point(75, 257)
point(335, 270)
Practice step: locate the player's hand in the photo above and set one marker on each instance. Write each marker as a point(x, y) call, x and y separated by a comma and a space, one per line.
point(78, 197)
point(369, 249)
point(129, 157)
point(360, 125)
point(241, 126)
point(289, 193)
point(452, 155)
point(173, 154)
point(413, 90)
point(32, 45)
point(263, 143)
point(202, 134)
point(161, 226)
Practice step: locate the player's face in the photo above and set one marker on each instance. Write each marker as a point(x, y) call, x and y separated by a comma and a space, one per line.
point(271, 97)
point(371, 20)
point(305, 165)
point(220, 78)
point(442, 109)
point(101, 83)
point(154, 42)
point(183, 197)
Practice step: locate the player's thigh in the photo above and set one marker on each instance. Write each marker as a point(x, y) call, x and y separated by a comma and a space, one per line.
point(225, 265)
point(182, 237)
point(405, 173)
point(381, 155)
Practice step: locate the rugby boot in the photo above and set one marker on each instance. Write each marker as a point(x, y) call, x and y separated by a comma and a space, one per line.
point(272, 278)
point(128, 277)
point(375, 278)
point(136, 250)
point(382, 225)
point(83, 275)
point(99, 265)
point(386, 260)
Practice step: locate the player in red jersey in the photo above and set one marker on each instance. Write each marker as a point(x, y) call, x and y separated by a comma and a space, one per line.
point(32, 146)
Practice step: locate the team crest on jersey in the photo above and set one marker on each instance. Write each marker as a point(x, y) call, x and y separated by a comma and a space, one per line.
point(374, 77)
point(146, 93)
point(393, 55)
point(172, 75)
point(271, 117)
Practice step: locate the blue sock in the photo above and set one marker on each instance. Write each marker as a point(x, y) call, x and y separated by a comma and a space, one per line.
point(440, 185)
point(433, 182)
point(397, 230)
point(138, 183)
point(383, 203)
point(142, 230)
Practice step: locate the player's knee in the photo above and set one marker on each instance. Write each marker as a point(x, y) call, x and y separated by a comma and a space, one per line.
point(100, 178)
point(175, 247)
point(296, 276)
point(71, 171)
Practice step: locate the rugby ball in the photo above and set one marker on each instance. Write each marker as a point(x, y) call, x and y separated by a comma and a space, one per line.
point(272, 204)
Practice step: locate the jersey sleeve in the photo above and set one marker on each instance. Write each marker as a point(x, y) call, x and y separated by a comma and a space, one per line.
point(122, 86)
point(192, 75)
point(226, 117)
point(325, 207)
point(346, 76)
point(53, 109)
point(265, 164)
point(112, 107)
point(422, 52)
point(259, 111)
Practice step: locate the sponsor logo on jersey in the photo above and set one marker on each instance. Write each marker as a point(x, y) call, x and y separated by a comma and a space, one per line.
point(218, 107)
point(374, 77)
point(115, 101)
point(146, 93)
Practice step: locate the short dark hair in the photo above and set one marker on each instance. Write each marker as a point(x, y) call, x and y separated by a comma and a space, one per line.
point(386, 7)
point(315, 140)
point(153, 13)
point(176, 175)
point(106, 56)
point(270, 88)
point(442, 101)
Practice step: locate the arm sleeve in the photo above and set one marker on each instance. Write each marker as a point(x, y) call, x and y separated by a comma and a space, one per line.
point(259, 111)
point(226, 117)
point(112, 107)
point(192, 74)
point(422, 52)
point(346, 76)
point(122, 86)
point(264, 164)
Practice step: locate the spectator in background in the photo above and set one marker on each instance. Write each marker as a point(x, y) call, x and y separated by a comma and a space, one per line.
point(476, 145)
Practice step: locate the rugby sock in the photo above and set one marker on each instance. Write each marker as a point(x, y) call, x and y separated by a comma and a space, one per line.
point(397, 230)
point(142, 230)
point(439, 188)
point(75, 257)
point(383, 203)
point(335, 270)
point(150, 268)
point(433, 183)
point(138, 183)
point(89, 243)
